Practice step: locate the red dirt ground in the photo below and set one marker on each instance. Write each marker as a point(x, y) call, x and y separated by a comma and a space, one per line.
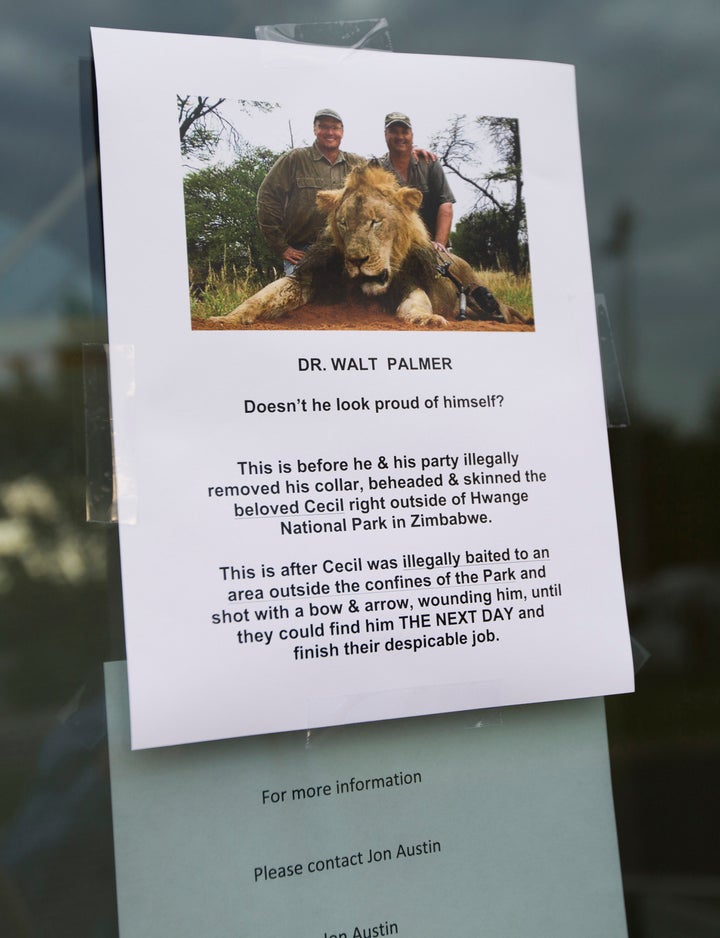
point(365, 318)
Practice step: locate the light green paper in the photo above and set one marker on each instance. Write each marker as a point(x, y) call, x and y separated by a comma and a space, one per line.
point(519, 801)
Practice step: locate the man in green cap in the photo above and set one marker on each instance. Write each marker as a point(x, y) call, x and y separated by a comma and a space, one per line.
point(289, 218)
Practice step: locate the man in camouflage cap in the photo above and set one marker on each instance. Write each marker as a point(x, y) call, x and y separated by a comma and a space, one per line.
point(436, 210)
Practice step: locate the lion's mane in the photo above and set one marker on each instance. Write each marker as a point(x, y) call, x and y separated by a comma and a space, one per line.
point(370, 194)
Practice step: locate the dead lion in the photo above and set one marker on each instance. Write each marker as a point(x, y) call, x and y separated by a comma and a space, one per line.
point(375, 245)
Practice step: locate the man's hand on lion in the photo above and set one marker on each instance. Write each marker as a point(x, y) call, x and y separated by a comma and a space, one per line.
point(292, 255)
point(440, 247)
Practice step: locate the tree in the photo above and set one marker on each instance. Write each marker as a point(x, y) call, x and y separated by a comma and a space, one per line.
point(498, 220)
point(221, 216)
point(202, 124)
point(487, 239)
point(196, 120)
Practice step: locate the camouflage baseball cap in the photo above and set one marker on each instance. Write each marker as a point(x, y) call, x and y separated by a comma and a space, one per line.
point(395, 117)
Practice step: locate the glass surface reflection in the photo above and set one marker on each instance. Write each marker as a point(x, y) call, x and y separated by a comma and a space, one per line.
point(646, 84)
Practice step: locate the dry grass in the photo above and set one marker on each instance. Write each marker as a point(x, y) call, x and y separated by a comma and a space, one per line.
point(513, 290)
point(222, 291)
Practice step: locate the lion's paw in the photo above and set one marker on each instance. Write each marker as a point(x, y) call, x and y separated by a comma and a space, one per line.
point(434, 322)
point(416, 309)
point(429, 320)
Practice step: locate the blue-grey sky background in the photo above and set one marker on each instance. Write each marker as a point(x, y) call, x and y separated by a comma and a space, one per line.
point(647, 79)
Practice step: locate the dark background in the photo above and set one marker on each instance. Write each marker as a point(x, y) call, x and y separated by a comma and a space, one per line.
point(647, 80)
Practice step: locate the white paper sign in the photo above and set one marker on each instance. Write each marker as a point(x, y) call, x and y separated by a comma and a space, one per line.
point(336, 525)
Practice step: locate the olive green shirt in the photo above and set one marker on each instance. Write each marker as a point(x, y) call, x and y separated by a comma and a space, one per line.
point(430, 179)
point(287, 212)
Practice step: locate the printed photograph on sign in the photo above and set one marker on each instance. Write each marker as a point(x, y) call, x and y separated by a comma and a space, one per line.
point(288, 229)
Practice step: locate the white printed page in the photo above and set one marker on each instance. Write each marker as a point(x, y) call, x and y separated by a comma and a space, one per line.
point(327, 519)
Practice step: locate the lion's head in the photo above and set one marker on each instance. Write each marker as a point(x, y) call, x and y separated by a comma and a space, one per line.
point(374, 223)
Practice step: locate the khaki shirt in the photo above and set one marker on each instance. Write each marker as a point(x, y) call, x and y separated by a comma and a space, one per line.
point(286, 207)
point(430, 179)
